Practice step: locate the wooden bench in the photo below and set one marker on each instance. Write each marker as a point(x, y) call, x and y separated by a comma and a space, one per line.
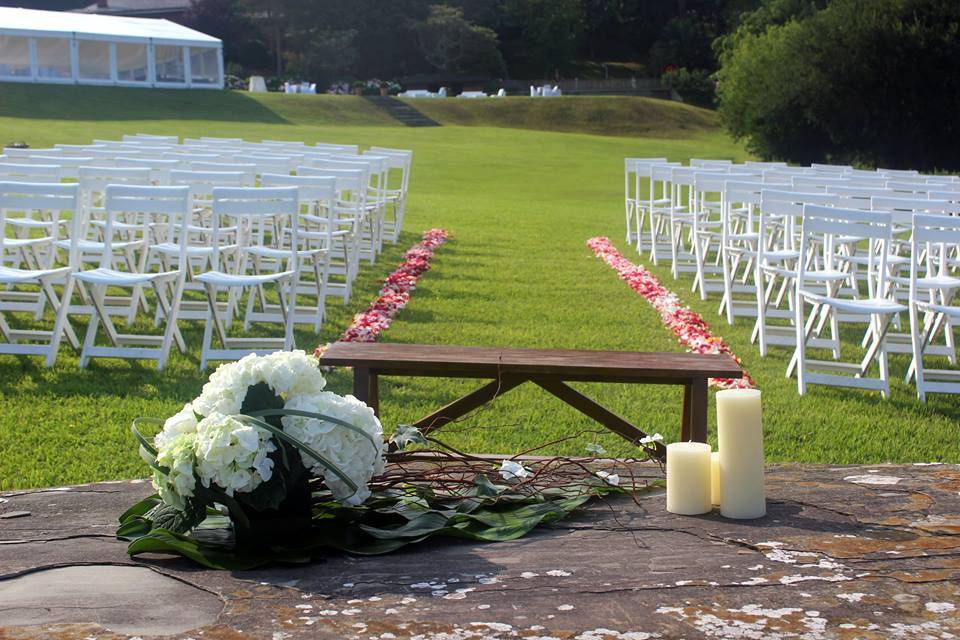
point(548, 369)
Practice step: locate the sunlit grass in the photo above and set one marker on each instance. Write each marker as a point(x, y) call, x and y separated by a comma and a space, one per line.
point(521, 205)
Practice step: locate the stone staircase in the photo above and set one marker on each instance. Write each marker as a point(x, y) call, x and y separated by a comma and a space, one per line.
point(402, 112)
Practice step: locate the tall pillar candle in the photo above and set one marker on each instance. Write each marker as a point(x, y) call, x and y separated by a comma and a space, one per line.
point(715, 478)
point(740, 439)
point(688, 478)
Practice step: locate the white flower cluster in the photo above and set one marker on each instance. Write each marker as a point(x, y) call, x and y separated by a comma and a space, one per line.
point(358, 455)
point(289, 374)
point(205, 442)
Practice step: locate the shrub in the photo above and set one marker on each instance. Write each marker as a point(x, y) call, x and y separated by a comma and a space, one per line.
point(695, 87)
point(872, 82)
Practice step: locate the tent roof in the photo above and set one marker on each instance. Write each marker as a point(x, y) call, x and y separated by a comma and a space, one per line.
point(30, 22)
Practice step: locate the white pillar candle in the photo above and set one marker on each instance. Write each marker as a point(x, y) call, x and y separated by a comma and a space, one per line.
point(740, 439)
point(715, 478)
point(688, 478)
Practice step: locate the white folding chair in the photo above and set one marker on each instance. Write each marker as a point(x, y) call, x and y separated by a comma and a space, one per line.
point(738, 247)
point(824, 229)
point(22, 226)
point(776, 272)
point(23, 199)
point(199, 238)
point(399, 162)
point(935, 238)
point(634, 169)
point(166, 208)
point(349, 215)
point(317, 196)
point(16, 154)
point(151, 138)
point(255, 210)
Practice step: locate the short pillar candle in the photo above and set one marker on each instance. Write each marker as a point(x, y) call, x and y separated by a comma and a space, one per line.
point(688, 478)
point(740, 439)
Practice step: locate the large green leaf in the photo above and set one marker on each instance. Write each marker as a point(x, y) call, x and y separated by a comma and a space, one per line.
point(229, 559)
point(165, 516)
point(427, 523)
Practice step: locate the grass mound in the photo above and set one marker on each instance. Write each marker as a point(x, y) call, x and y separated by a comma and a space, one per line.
point(608, 116)
point(50, 102)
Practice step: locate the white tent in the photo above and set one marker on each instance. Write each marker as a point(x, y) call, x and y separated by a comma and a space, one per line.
point(74, 48)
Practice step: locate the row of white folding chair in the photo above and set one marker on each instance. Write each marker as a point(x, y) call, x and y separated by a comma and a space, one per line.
point(61, 200)
point(102, 176)
point(128, 153)
point(637, 168)
point(95, 179)
point(150, 204)
point(823, 276)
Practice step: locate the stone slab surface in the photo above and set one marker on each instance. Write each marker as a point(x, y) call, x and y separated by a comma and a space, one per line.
point(844, 552)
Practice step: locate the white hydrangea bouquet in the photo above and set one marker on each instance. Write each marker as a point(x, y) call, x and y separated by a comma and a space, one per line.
point(267, 466)
point(261, 430)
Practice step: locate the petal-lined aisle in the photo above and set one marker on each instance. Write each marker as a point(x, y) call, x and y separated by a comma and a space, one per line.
point(689, 327)
point(397, 288)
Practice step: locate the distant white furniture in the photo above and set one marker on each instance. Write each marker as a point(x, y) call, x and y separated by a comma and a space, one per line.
point(300, 87)
point(257, 85)
point(546, 91)
point(74, 48)
point(421, 93)
point(473, 94)
point(502, 93)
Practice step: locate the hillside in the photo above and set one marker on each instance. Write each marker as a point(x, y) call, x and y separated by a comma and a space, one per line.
point(74, 106)
point(600, 115)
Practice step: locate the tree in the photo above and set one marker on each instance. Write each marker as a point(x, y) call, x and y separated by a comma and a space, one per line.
point(545, 35)
point(453, 45)
point(686, 41)
point(243, 43)
point(872, 82)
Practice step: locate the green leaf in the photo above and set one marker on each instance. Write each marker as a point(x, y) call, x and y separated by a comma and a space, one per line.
point(163, 541)
point(165, 516)
point(261, 397)
point(280, 433)
point(141, 507)
point(486, 488)
point(146, 444)
point(316, 416)
point(426, 523)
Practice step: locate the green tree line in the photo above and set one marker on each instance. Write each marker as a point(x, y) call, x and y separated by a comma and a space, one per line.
point(344, 39)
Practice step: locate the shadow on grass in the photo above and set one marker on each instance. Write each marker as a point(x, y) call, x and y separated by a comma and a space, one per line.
point(42, 102)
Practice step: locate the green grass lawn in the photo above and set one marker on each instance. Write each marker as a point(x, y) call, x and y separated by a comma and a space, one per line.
point(521, 203)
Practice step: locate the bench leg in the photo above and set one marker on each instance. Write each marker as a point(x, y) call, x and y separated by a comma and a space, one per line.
point(601, 414)
point(694, 425)
point(466, 404)
point(366, 388)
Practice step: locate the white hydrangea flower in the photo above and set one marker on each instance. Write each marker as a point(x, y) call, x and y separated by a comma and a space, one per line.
point(185, 421)
point(510, 470)
point(351, 452)
point(291, 373)
point(176, 454)
point(232, 455)
point(227, 387)
point(286, 372)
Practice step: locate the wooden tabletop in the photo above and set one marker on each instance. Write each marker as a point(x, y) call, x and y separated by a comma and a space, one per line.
point(484, 362)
